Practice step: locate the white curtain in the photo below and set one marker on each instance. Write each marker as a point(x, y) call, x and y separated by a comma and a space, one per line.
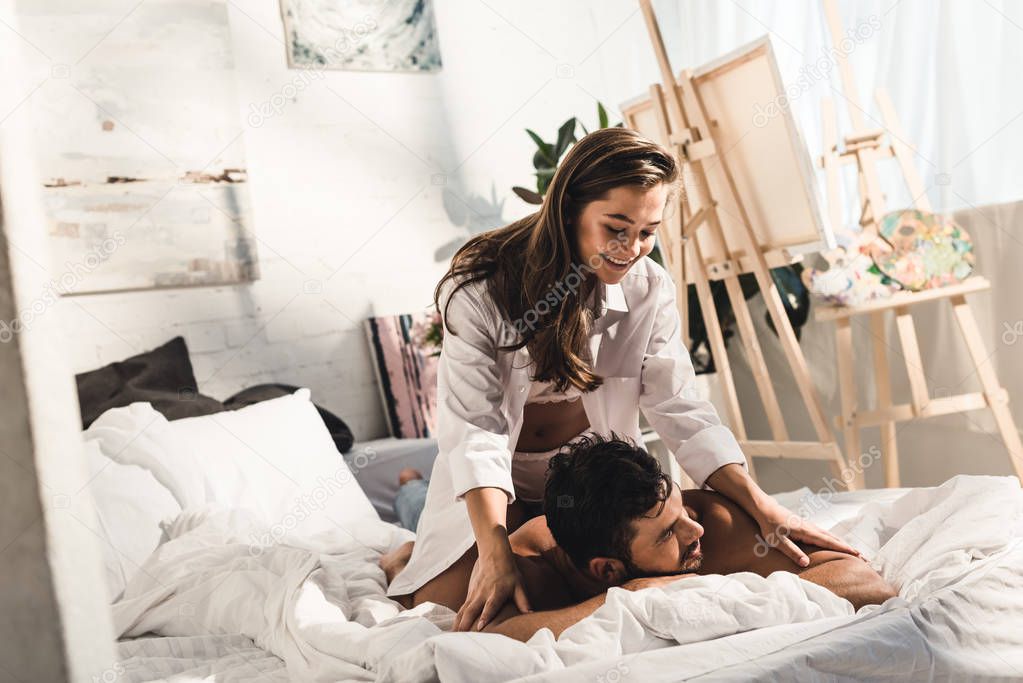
point(953, 70)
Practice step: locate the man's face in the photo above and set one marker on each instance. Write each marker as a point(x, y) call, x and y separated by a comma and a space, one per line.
point(616, 232)
point(666, 541)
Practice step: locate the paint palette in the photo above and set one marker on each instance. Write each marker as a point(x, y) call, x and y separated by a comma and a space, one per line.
point(926, 250)
point(851, 278)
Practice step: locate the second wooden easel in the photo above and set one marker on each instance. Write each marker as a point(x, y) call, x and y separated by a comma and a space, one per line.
point(864, 147)
point(682, 121)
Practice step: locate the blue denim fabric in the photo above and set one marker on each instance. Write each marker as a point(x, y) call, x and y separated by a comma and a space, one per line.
point(410, 501)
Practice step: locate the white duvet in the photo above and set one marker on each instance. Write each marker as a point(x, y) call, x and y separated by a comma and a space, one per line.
point(955, 552)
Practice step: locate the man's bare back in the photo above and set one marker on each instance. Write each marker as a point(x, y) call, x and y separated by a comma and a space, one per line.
point(730, 543)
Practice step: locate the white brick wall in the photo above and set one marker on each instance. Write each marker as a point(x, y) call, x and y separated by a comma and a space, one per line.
point(367, 175)
point(360, 180)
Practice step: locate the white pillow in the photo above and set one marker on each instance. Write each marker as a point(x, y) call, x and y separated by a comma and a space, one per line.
point(274, 457)
point(129, 506)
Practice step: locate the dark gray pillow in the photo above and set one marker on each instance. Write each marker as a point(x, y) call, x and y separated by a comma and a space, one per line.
point(163, 377)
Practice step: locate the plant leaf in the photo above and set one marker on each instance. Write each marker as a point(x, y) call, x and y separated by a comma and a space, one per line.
point(527, 196)
point(544, 147)
point(543, 179)
point(566, 136)
point(540, 160)
point(585, 132)
point(601, 115)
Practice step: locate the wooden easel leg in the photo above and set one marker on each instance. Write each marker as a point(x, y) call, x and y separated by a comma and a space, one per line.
point(866, 159)
point(902, 152)
point(997, 397)
point(882, 379)
point(717, 343)
point(722, 366)
point(790, 345)
point(911, 354)
point(672, 240)
point(755, 356)
point(847, 387)
point(829, 160)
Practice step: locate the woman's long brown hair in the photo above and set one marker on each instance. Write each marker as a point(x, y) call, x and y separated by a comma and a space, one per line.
point(528, 264)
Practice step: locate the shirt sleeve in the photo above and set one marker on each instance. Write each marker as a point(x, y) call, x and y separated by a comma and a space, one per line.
point(687, 425)
point(471, 427)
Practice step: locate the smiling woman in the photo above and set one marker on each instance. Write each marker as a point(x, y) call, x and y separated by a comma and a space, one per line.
point(586, 232)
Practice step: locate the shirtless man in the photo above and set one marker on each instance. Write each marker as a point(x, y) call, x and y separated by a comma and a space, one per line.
point(612, 518)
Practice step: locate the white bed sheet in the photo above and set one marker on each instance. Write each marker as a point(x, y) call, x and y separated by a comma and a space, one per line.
point(959, 619)
point(223, 658)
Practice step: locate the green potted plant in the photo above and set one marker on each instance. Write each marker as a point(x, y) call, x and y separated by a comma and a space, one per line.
point(548, 155)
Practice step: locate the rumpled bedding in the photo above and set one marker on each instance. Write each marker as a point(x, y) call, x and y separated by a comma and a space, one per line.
point(954, 551)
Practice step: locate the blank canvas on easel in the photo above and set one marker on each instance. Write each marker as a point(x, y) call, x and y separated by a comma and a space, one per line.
point(742, 95)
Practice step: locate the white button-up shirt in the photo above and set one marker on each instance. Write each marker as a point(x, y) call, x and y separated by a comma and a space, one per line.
point(637, 347)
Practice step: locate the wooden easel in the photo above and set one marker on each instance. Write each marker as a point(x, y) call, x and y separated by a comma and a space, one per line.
point(683, 122)
point(865, 147)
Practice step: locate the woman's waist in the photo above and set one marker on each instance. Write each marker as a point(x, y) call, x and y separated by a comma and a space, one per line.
point(550, 425)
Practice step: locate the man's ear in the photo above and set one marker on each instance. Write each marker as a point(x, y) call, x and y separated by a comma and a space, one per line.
point(608, 569)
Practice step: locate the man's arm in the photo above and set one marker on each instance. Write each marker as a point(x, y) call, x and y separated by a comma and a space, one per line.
point(732, 543)
point(512, 623)
point(847, 577)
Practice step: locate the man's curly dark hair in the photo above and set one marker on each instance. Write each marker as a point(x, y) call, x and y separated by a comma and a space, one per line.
point(595, 488)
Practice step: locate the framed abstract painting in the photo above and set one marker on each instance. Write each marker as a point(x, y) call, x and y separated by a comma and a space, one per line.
point(139, 143)
point(405, 351)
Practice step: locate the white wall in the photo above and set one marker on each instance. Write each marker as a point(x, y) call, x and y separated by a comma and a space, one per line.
point(364, 182)
point(359, 181)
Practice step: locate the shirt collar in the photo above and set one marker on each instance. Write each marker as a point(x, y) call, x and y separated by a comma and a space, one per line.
point(612, 298)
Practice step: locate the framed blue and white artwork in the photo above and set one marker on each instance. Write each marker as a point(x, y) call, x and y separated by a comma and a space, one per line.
point(361, 35)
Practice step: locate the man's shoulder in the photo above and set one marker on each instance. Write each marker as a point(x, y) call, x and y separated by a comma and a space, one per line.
point(702, 497)
point(542, 566)
point(550, 578)
point(532, 538)
point(710, 505)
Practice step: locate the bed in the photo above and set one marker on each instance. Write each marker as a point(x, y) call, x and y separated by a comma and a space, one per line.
point(234, 591)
